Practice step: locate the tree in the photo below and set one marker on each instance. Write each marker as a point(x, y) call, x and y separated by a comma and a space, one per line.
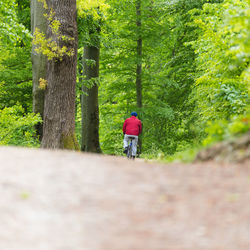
point(59, 108)
point(39, 60)
point(139, 63)
point(90, 20)
point(90, 107)
point(90, 26)
point(139, 56)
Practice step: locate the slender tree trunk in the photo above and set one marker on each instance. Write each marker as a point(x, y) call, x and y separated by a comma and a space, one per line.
point(139, 56)
point(139, 64)
point(90, 107)
point(59, 109)
point(84, 103)
point(39, 21)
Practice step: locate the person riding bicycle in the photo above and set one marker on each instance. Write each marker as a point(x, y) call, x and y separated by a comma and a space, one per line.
point(132, 127)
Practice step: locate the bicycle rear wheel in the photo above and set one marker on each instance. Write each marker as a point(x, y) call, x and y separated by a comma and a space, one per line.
point(129, 153)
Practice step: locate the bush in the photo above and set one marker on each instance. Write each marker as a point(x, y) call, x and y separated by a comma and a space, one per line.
point(224, 129)
point(17, 128)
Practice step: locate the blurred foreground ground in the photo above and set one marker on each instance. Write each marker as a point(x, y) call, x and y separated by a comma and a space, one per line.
point(60, 200)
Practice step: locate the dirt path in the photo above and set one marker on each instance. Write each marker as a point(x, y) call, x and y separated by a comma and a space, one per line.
point(71, 201)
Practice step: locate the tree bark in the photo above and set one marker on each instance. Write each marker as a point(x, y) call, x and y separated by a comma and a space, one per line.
point(39, 21)
point(59, 109)
point(90, 106)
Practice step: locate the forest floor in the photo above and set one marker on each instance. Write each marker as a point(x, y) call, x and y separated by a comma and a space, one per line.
point(61, 200)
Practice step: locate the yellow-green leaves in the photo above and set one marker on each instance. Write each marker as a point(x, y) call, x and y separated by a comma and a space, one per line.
point(50, 47)
point(43, 83)
point(44, 4)
point(53, 22)
point(92, 7)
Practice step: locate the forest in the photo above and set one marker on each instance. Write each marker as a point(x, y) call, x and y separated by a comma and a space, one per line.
point(72, 71)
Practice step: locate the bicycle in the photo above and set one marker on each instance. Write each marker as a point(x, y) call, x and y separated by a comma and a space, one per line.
point(129, 152)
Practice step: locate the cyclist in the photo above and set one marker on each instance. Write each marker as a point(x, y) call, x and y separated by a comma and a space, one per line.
point(132, 127)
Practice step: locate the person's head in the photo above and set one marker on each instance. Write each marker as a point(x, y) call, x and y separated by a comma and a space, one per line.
point(134, 114)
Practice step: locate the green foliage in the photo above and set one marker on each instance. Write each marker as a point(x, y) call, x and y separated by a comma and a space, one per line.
point(11, 29)
point(195, 69)
point(195, 65)
point(186, 156)
point(111, 138)
point(89, 27)
point(17, 127)
point(15, 75)
point(222, 78)
point(16, 121)
point(16, 78)
point(168, 72)
point(23, 13)
point(223, 59)
point(220, 130)
point(15, 64)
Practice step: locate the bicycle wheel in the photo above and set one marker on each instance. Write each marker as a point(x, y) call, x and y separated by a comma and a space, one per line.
point(129, 153)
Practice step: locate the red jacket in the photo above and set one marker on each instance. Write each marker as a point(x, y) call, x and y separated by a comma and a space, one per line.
point(132, 126)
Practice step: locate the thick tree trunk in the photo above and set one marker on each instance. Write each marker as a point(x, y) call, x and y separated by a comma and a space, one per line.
point(59, 109)
point(90, 107)
point(39, 21)
point(139, 64)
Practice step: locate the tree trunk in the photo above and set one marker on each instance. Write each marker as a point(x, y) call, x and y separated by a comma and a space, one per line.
point(59, 109)
point(139, 64)
point(38, 61)
point(90, 107)
point(139, 56)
